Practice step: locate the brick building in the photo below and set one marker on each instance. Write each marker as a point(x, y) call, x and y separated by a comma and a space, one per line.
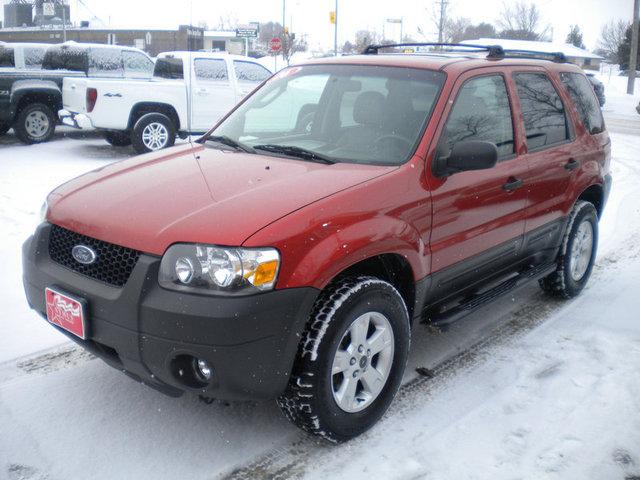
point(153, 41)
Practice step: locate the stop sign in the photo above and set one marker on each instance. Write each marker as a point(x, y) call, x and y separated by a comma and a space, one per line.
point(275, 45)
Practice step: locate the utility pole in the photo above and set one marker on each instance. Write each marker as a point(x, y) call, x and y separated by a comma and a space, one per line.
point(633, 60)
point(443, 13)
point(64, 22)
point(335, 33)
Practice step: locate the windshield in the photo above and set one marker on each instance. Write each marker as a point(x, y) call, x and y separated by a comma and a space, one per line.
point(346, 113)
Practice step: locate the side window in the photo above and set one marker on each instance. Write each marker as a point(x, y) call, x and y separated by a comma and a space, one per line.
point(481, 112)
point(136, 65)
point(105, 62)
point(33, 57)
point(545, 122)
point(211, 69)
point(584, 98)
point(169, 68)
point(6, 58)
point(250, 72)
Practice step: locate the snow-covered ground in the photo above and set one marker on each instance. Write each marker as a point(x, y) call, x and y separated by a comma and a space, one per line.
point(525, 388)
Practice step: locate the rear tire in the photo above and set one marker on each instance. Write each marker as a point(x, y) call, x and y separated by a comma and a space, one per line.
point(352, 313)
point(35, 123)
point(153, 132)
point(577, 253)
point(118, 139)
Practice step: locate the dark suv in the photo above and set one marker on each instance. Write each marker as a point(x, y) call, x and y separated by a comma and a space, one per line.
point(289, 252)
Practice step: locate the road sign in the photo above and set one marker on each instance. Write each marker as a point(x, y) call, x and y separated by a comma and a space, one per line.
point(275, 45)
point(247, 31)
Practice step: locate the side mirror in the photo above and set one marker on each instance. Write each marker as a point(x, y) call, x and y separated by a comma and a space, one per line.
point(471, 155)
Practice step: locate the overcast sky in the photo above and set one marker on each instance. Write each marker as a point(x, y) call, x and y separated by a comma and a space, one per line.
point(311, 17)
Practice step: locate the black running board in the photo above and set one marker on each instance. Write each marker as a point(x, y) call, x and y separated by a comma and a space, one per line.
point(474, 302)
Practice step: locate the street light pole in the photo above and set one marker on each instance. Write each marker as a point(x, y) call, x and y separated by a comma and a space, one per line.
point(633, 59)
point(335, 33)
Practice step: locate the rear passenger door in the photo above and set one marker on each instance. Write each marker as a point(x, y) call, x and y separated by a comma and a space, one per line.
point(548, 136)
point(212, 93)
point(477, 215)
point(248, 76)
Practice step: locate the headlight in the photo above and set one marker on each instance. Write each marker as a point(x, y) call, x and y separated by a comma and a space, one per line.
point(44, 209)
point(219, 270)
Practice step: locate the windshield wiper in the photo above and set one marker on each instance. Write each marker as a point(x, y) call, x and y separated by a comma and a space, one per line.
point(298, 152)
point(230, 142)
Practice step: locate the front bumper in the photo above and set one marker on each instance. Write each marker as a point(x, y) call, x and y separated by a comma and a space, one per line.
point(250, 342)
point(75, 120)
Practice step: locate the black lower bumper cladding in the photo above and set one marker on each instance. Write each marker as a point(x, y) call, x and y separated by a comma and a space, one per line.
point(147, 331)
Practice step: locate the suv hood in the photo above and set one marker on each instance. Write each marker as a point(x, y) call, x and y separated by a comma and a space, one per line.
point(194, 194)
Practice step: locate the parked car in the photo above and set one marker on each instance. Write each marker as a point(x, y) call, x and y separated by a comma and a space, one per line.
point(282, 258)
point(598, 87)
point(188, 93)
point(30, 97)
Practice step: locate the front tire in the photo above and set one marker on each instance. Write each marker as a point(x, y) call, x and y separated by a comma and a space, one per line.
point(153, 132)
point(36, 123)
point(577, 254)
point(350, 361)
point(118, 139)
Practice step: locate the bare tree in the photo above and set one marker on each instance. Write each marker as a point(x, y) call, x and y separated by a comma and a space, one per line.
point(522, 21)
point(612, 36)
point(364, 38)
point(454, 29)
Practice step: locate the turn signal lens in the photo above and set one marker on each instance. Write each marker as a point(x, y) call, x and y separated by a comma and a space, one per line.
point(265, 273)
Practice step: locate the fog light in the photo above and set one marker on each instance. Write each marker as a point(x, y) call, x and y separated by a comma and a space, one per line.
point(202, 369)
point(184, 270)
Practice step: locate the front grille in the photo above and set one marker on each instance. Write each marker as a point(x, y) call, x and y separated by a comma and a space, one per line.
point(113, 264)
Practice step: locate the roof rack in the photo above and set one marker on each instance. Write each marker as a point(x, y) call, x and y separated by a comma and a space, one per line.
point(557, 57)
point(495, 52)
point(492, 50)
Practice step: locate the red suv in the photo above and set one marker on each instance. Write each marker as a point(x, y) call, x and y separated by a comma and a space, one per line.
point(288, 253)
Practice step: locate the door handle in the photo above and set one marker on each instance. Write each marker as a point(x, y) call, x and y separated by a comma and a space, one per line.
point(572, 164)
point(512, 184)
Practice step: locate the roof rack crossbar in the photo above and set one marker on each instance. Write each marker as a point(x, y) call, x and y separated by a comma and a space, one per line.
point(492, 50)
point(558, 57)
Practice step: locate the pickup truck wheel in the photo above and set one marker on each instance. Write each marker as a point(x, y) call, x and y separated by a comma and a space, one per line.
point(118, 139)
point(36, 123)
point(577, 254)
point(152, 132)
point(350, 361)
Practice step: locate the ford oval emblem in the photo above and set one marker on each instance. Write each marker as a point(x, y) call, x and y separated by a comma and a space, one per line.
point(84, 255)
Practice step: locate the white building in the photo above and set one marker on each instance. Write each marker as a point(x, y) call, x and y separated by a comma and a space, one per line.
point(578, 56)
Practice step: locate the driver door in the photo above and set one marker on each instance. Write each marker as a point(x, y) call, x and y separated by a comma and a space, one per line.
point(478, 216)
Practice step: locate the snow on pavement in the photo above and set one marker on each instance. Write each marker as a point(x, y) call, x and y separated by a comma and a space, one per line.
point(552, 393)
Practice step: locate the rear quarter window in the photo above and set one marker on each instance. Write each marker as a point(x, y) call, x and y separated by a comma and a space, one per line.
point(7, 59)
point(584, 98)
point(170, 68)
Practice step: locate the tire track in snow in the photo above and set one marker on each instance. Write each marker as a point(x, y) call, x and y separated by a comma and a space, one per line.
point(288, 461)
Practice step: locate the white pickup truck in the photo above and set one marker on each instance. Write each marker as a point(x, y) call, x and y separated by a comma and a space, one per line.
point(188, 93)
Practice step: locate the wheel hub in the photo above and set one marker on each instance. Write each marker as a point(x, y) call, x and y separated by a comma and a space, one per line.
point(581, 251)
point(362, 362)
